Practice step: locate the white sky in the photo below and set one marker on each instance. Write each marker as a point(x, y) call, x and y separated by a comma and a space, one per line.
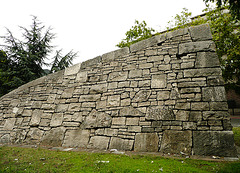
point(91, 27)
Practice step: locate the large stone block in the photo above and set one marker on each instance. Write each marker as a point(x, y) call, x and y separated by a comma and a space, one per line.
point(98, 88)
point(115, 54)
point(214, 94)
point(76, 138)
point(113, 100)
point(97, 119)
point(207, 59)
point(141, 96)
point(9, 124)
point(130, 112)
point(201, 32)
point(67, 93)
point(99, 142)
point(176, 142)
point(36, 117)
point(159, 81)
point(147, 42)
point(34, 136)
point(54, 137)
point(160, 113)
point(146, 142)
point(89, 98)
point(82, 76)
point(202, 72)
point(91, 62)
point(118, 76)
point(72, 70)
point(191, 47)
point(214, 143)
point(56, 120)
point(121, 144)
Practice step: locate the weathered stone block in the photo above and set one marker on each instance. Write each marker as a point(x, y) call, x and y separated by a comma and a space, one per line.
point(72, 70)
point(82, 76)
point(121, 144)
point(113, 100)
point(146, 142)
point(189, 125)
point(91, 62)
point(196, 46)
point(218, 106)
point(74, 107)
point(201, 32)
point(134, 129)
point(182, 115)
point(163, 95)
point(118, 76)
point(159, 81)
point(115, 54)
point(130, 112)
point(9, 124)
point(160, 113)
point(214, 94)
point(183, 106)
point(56, 120)
point(176, 142)
point(76, 138)
point(89, 98)
point(98, 88)
point(61, 108)
point(135, 73)
point(34, 136)
point(54, 137)
point(214, 143)
point(132, 121)
point(97, 119)
point(147, 43)
point(141, 96)
point(207, 59)
point(36, 117)
point(202, 106)
point(202, 72)
point(99, 142)
point(119, 121)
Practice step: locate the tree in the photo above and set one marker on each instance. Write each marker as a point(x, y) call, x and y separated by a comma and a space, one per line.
point(23, 60)
point(180, 20)
point(138, 32)
point(226, 35)
point(234, 6)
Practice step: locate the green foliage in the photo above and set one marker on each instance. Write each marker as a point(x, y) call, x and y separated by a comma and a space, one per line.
point(14, 159)
point(236, 132)
point(226, 35)
point(61, 62)
point(23, 60)
point(180, 21)
point(138, 32)
point(234, 6)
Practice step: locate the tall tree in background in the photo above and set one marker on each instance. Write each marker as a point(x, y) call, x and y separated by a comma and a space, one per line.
point(234, 6)
point(23, 60)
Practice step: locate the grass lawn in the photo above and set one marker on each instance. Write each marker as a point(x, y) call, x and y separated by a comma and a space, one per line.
point(16, 159)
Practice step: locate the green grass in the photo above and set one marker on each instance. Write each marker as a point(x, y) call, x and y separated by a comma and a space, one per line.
point(16, 159)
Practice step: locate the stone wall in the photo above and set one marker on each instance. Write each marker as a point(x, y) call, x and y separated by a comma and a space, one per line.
point(162, 94)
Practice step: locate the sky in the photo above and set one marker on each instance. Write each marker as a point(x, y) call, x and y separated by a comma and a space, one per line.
point(91, 27)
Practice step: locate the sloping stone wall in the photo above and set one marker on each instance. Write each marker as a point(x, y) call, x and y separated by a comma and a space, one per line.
point(162, 94)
